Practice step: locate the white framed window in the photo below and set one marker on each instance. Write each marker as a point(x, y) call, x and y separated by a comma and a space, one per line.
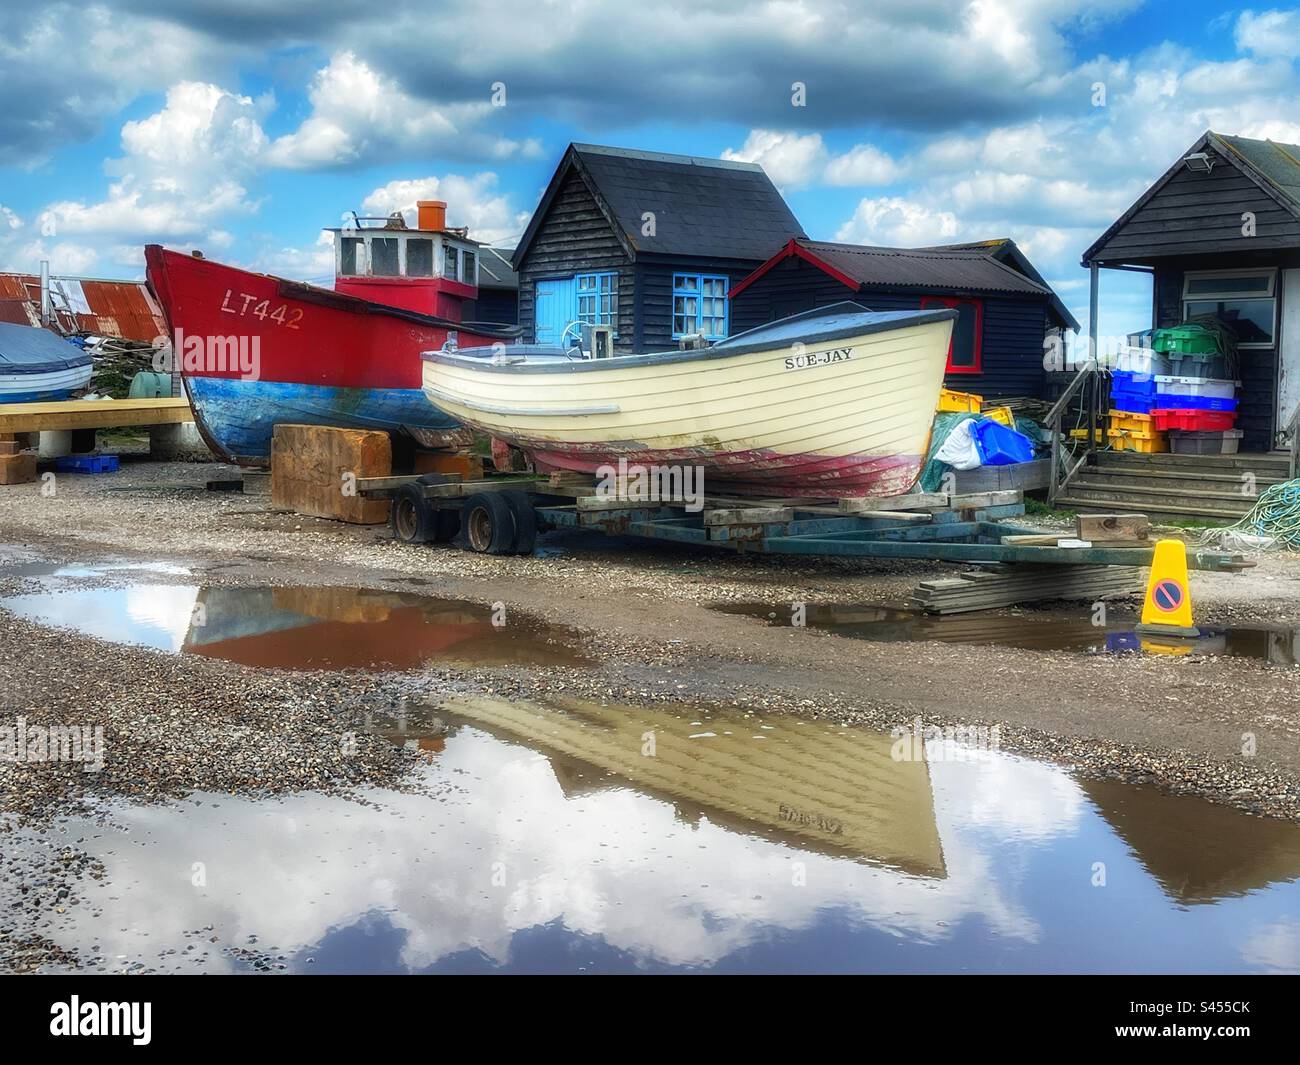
point(468, 267)
point(450, 261)
point(352, 256)
point(700, 305)
point(1244, 300)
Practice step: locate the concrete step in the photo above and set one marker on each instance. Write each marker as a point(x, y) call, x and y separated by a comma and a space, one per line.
point(1181, 479)
point(1087, 502)
point(1274, 465)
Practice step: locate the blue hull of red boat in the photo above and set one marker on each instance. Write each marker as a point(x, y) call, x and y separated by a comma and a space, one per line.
point(237, 418)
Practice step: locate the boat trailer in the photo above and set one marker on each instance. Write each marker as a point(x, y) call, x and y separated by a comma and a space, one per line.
point(969, 528)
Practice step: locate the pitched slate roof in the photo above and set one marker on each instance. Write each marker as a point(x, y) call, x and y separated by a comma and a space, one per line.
point(711, 208)
point(977, 267)
point(1277, 163)
point(495, 269)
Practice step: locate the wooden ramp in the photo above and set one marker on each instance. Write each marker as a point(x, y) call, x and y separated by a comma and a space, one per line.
point(807, 784)
point(92, 414)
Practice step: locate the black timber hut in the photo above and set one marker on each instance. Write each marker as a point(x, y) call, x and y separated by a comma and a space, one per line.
point(498, 288)
point(1006, 310)
point(1219, 232)
point(646, 242)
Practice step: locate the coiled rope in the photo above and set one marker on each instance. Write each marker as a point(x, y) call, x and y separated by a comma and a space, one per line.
point(1274, 521)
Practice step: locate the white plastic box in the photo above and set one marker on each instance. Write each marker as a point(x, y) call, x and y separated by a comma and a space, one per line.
point(1207, 387)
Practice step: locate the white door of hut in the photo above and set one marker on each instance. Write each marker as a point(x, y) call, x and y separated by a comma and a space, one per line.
point(1288, 352)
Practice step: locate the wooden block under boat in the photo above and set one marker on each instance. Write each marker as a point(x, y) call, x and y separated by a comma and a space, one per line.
point(316, 470)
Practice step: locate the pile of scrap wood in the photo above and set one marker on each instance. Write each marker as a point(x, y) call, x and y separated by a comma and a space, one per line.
point(117, 361)
point(1005, 585)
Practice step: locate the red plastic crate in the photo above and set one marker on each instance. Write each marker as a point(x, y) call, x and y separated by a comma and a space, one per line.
point(1193, 421)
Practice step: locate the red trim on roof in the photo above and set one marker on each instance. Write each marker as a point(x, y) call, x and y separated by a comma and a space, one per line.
point(799, 251)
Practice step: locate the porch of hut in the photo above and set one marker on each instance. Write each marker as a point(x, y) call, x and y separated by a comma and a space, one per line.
point(1219, 235)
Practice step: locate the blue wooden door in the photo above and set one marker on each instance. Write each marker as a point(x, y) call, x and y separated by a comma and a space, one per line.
point(555, 306)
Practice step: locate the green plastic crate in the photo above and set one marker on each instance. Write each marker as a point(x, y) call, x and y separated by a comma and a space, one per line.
point(1187, 340)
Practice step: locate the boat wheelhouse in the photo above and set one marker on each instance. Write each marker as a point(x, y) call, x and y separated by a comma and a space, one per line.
point(430, 269)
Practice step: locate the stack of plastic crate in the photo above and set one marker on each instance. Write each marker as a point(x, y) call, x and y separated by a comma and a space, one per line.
point(1195, 403)
point(1132, 397)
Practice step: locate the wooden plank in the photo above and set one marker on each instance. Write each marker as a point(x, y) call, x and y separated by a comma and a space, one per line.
point(748, 515)
point(977, 500)
point(93, 414)
point(895, 515)
point(910, 501)
point(1109, 527)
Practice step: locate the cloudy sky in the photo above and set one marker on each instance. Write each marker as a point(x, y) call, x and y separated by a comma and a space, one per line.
point(243, 126)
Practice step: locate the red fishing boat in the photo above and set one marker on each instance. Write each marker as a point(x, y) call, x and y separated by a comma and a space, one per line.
point(255, 350)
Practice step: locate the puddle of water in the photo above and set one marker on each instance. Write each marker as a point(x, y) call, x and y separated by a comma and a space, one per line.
point(552, 839)
point(301, 627)
point(1280, 646)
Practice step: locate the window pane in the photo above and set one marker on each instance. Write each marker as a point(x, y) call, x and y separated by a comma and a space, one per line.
point(586, 282)
point(467, 268)
point(353, 256)
point(686, 282)
point(1251, 320)
point(1246, 284)
point(963, 337)
point(383, 256)
point(419, 258)
point(449, 259)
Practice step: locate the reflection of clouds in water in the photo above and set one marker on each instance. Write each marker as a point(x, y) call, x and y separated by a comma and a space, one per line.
point(1011, 796)
point(151, 615)
point(165, 608)
point(614, 863)
point(1274, 948)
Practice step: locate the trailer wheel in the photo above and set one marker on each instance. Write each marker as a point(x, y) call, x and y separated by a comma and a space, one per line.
point(525, 520)
point(487, 525)
point(412, 515)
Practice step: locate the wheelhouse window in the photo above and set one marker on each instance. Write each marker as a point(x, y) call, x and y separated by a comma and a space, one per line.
point(1243, 300)
point(383, 257)
point(468, 267)
point(419, 257)
point(450, 259)
point(352, 256)
point(597, 299)
point(700, 305)
point(966, 349)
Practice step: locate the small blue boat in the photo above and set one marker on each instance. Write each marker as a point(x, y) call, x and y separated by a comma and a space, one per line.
point(37, 365)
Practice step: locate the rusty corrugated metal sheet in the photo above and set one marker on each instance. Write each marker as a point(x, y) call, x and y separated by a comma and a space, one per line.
point(117, 308)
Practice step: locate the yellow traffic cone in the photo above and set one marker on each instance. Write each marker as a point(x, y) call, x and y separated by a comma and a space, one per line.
point(1167, 610)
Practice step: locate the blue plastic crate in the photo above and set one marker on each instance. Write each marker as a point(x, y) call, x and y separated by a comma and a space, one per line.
point(86, 464)
point(999, 446)
point(1181, 401)
point(1132, 402)
point(1137, 383)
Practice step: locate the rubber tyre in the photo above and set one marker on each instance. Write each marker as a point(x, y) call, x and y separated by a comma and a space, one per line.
point(487, 524)
point(525, 520)
point(411, 516)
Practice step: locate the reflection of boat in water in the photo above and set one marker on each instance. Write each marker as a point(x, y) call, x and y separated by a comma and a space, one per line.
point(835, 792)
point(355, 628)
point(1198, 851)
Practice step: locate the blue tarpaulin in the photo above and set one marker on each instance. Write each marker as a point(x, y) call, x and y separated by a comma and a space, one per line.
point(27, 350)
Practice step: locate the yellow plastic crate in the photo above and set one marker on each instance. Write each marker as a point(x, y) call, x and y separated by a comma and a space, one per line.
point(959, 401)
point(1131, 421)
point(1146, 443)
point(1002, 415)
point(1082, 434)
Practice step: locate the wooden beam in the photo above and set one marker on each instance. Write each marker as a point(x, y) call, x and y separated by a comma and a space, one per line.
point(93, 414)
point(910, 501)
point(748, 516)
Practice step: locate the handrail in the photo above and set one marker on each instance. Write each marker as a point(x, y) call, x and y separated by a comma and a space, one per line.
point(1056, 483)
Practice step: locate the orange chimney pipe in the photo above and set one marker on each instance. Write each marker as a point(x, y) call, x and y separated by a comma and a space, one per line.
point(431, 214)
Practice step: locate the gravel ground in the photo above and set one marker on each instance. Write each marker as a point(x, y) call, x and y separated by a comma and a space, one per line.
point(178, 724)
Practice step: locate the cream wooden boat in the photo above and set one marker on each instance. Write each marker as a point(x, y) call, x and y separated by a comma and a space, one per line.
point(831, 402)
